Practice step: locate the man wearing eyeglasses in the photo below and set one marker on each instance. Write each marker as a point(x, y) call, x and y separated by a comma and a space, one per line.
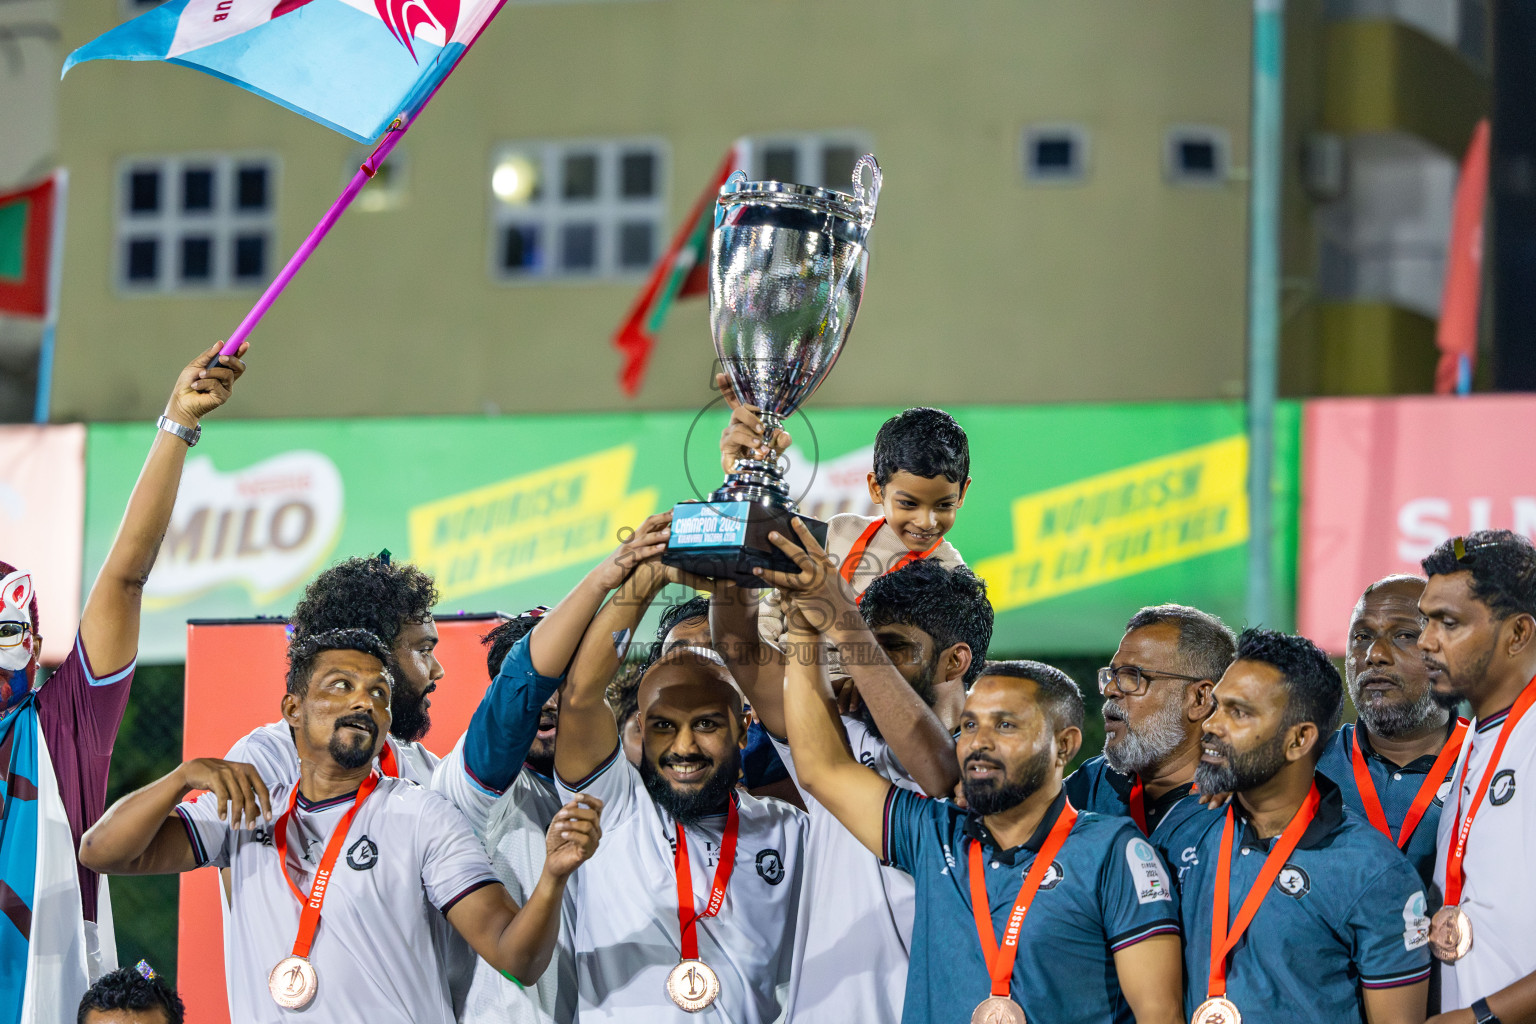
point(1157, 693)
point(56, 737)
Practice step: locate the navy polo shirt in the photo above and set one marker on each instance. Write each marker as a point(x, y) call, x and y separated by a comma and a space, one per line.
point(1395, 788)
point(1097, 787)
point(1347, 912)
point(1106, 890)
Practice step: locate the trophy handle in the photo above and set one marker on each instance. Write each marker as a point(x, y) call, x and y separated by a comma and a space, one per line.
point(871, 195)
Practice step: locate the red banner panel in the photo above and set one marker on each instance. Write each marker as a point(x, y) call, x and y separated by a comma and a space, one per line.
point(235, 681)
point(1385, 480)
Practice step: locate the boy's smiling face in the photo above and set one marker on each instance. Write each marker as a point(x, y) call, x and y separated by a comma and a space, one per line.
point(921, 509)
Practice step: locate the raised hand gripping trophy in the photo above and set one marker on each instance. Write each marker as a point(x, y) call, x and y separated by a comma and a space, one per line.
point(785, 277)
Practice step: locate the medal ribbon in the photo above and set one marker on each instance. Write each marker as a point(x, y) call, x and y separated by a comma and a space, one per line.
point(1000, 958)
point(1437, 773)
point(685, 915)
point(1455, 876)
point(309, 917)
point(1139, 805)
point(1222, 940)
point(387, 761)
point(856, 554)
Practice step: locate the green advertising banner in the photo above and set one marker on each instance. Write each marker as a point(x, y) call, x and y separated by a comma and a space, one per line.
point(1077, 515)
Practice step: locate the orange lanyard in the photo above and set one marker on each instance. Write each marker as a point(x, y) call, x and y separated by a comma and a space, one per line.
point(1000, 958)
point(309, 917)
point(1455, 874)
point(685, 915)
point(387, 762)
point(1139, 805)
point(1426, 793)
point(856, 554)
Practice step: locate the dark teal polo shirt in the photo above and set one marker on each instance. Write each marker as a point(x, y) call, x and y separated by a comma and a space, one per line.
point(1395, 787)
point(1106, 890)
point(1097, 787)
point(1346, 913)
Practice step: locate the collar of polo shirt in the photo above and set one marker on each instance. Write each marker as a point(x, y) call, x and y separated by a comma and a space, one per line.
point(1330, 815)
point(1420, 765)
point(976, 829)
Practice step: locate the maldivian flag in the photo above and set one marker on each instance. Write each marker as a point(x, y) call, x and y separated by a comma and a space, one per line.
point(682, 272)
point(352, 65)
point(26, 233)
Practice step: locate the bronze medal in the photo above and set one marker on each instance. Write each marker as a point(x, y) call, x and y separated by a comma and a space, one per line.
point(1450, 934)
point(293, 983)
point(998, 1010)
point(693, 985)
point(1216, 1011)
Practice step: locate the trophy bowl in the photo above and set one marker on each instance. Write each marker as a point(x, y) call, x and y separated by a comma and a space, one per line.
point(786, 274)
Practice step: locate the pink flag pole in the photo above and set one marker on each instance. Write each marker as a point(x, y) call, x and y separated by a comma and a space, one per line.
point(369, 168)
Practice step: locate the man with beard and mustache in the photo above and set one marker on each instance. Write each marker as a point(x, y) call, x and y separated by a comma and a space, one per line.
point(1157, 692)
point(1394, 763)
point(378, 857)
point(1479, 643)
point(919, 635)
point(1294, 910)
point(1079, 902)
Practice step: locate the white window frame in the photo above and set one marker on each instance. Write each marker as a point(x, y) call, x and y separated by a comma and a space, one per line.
point(551, 212)
point(809, 149)
point(1220, 140)
point(171, 223)
point(1034, 133)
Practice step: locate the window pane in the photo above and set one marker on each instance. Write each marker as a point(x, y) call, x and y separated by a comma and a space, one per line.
point(143, 260)
point(638, 175)
point(1054, 153)
point(520, 248)
point(144, 192)
point(197, 189)
point(781, 163)
point(636, 245)
point(578, 247)
point(196, 258)
point(251, 188)
point(1197, 157)
point(250, 256)
point(837, 167)
point(580, 176)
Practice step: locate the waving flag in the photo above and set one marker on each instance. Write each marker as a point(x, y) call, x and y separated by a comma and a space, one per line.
point(26, 239)
point(352, 65)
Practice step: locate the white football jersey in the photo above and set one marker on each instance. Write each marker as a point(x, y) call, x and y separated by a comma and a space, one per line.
point(408, 857)
point(512, 827)
point(626, 933)
point(855, 913)
point(1498, 897)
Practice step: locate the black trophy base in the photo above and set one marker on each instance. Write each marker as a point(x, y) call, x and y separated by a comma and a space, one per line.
point(726, 540)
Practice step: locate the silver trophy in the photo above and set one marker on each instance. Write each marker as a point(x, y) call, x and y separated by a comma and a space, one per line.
point(786, 274)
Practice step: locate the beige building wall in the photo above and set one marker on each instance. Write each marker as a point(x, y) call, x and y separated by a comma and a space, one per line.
point(982, 288)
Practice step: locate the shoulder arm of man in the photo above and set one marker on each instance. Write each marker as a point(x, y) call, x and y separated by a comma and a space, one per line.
point(87, 708)
point(1388, 922)
point(453, 862)
point(506, 722)
point(912, 822)
point(614, 781)
point(1135, 890)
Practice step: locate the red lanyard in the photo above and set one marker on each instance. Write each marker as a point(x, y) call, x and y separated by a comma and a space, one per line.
point(856, 554)
point(1139, 805)
point(387, 762)
point(309, 917)
point(1223, 941)
point(1455, 875)
point(1000, 958)
point(1426, 793)
point(685, 915)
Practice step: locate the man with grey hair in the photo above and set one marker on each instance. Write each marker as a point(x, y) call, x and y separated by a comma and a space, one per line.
point(1157, 693)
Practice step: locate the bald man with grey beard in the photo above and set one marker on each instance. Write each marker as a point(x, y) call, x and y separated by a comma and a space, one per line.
point(1157, 693)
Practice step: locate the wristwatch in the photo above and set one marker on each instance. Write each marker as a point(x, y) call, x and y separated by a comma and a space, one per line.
point(189, 435)
point(1483, 1014)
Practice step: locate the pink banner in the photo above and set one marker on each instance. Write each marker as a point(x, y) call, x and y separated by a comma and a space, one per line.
point(42, 518)
point(1385, 480)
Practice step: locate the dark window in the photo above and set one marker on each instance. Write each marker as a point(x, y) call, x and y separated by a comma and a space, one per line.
point(250, 256)
point(196, 258)
point(1055, 154)
point(837, 167)
point(520, 248)
point(781, 163)
point(144, 192)
point(1197, 158)
point(143, 260)
point(636, 244)
point(580, 176)
point(578, 247)
point(638, 175)
point(251, 188)
point(197, 189)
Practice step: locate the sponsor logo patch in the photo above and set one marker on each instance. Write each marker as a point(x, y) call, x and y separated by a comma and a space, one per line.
point(1415, 922)
point(363, 854)
point(1502, 790)
point(1147, 871)
point(1293, 881)
point(1053, 876)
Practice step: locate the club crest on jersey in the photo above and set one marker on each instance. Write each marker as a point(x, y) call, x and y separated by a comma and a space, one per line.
point(770, 866)
point(1415, 922)
point(1147, 872)
point(1293, 881)
point(1053, 876)
point(363, 854)
point(1502, 790)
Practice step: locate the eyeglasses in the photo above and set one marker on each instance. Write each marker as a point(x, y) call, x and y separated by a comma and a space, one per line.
point(13, 634)
point(1132, 681)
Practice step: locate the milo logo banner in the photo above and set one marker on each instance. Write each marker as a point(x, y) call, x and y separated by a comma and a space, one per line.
point(1076, 516)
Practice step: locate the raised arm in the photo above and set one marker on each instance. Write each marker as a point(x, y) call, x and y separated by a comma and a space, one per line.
point(916, 736)
point(826, 767)
point(141, 833)
point(756, 666)
point(109, 625)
